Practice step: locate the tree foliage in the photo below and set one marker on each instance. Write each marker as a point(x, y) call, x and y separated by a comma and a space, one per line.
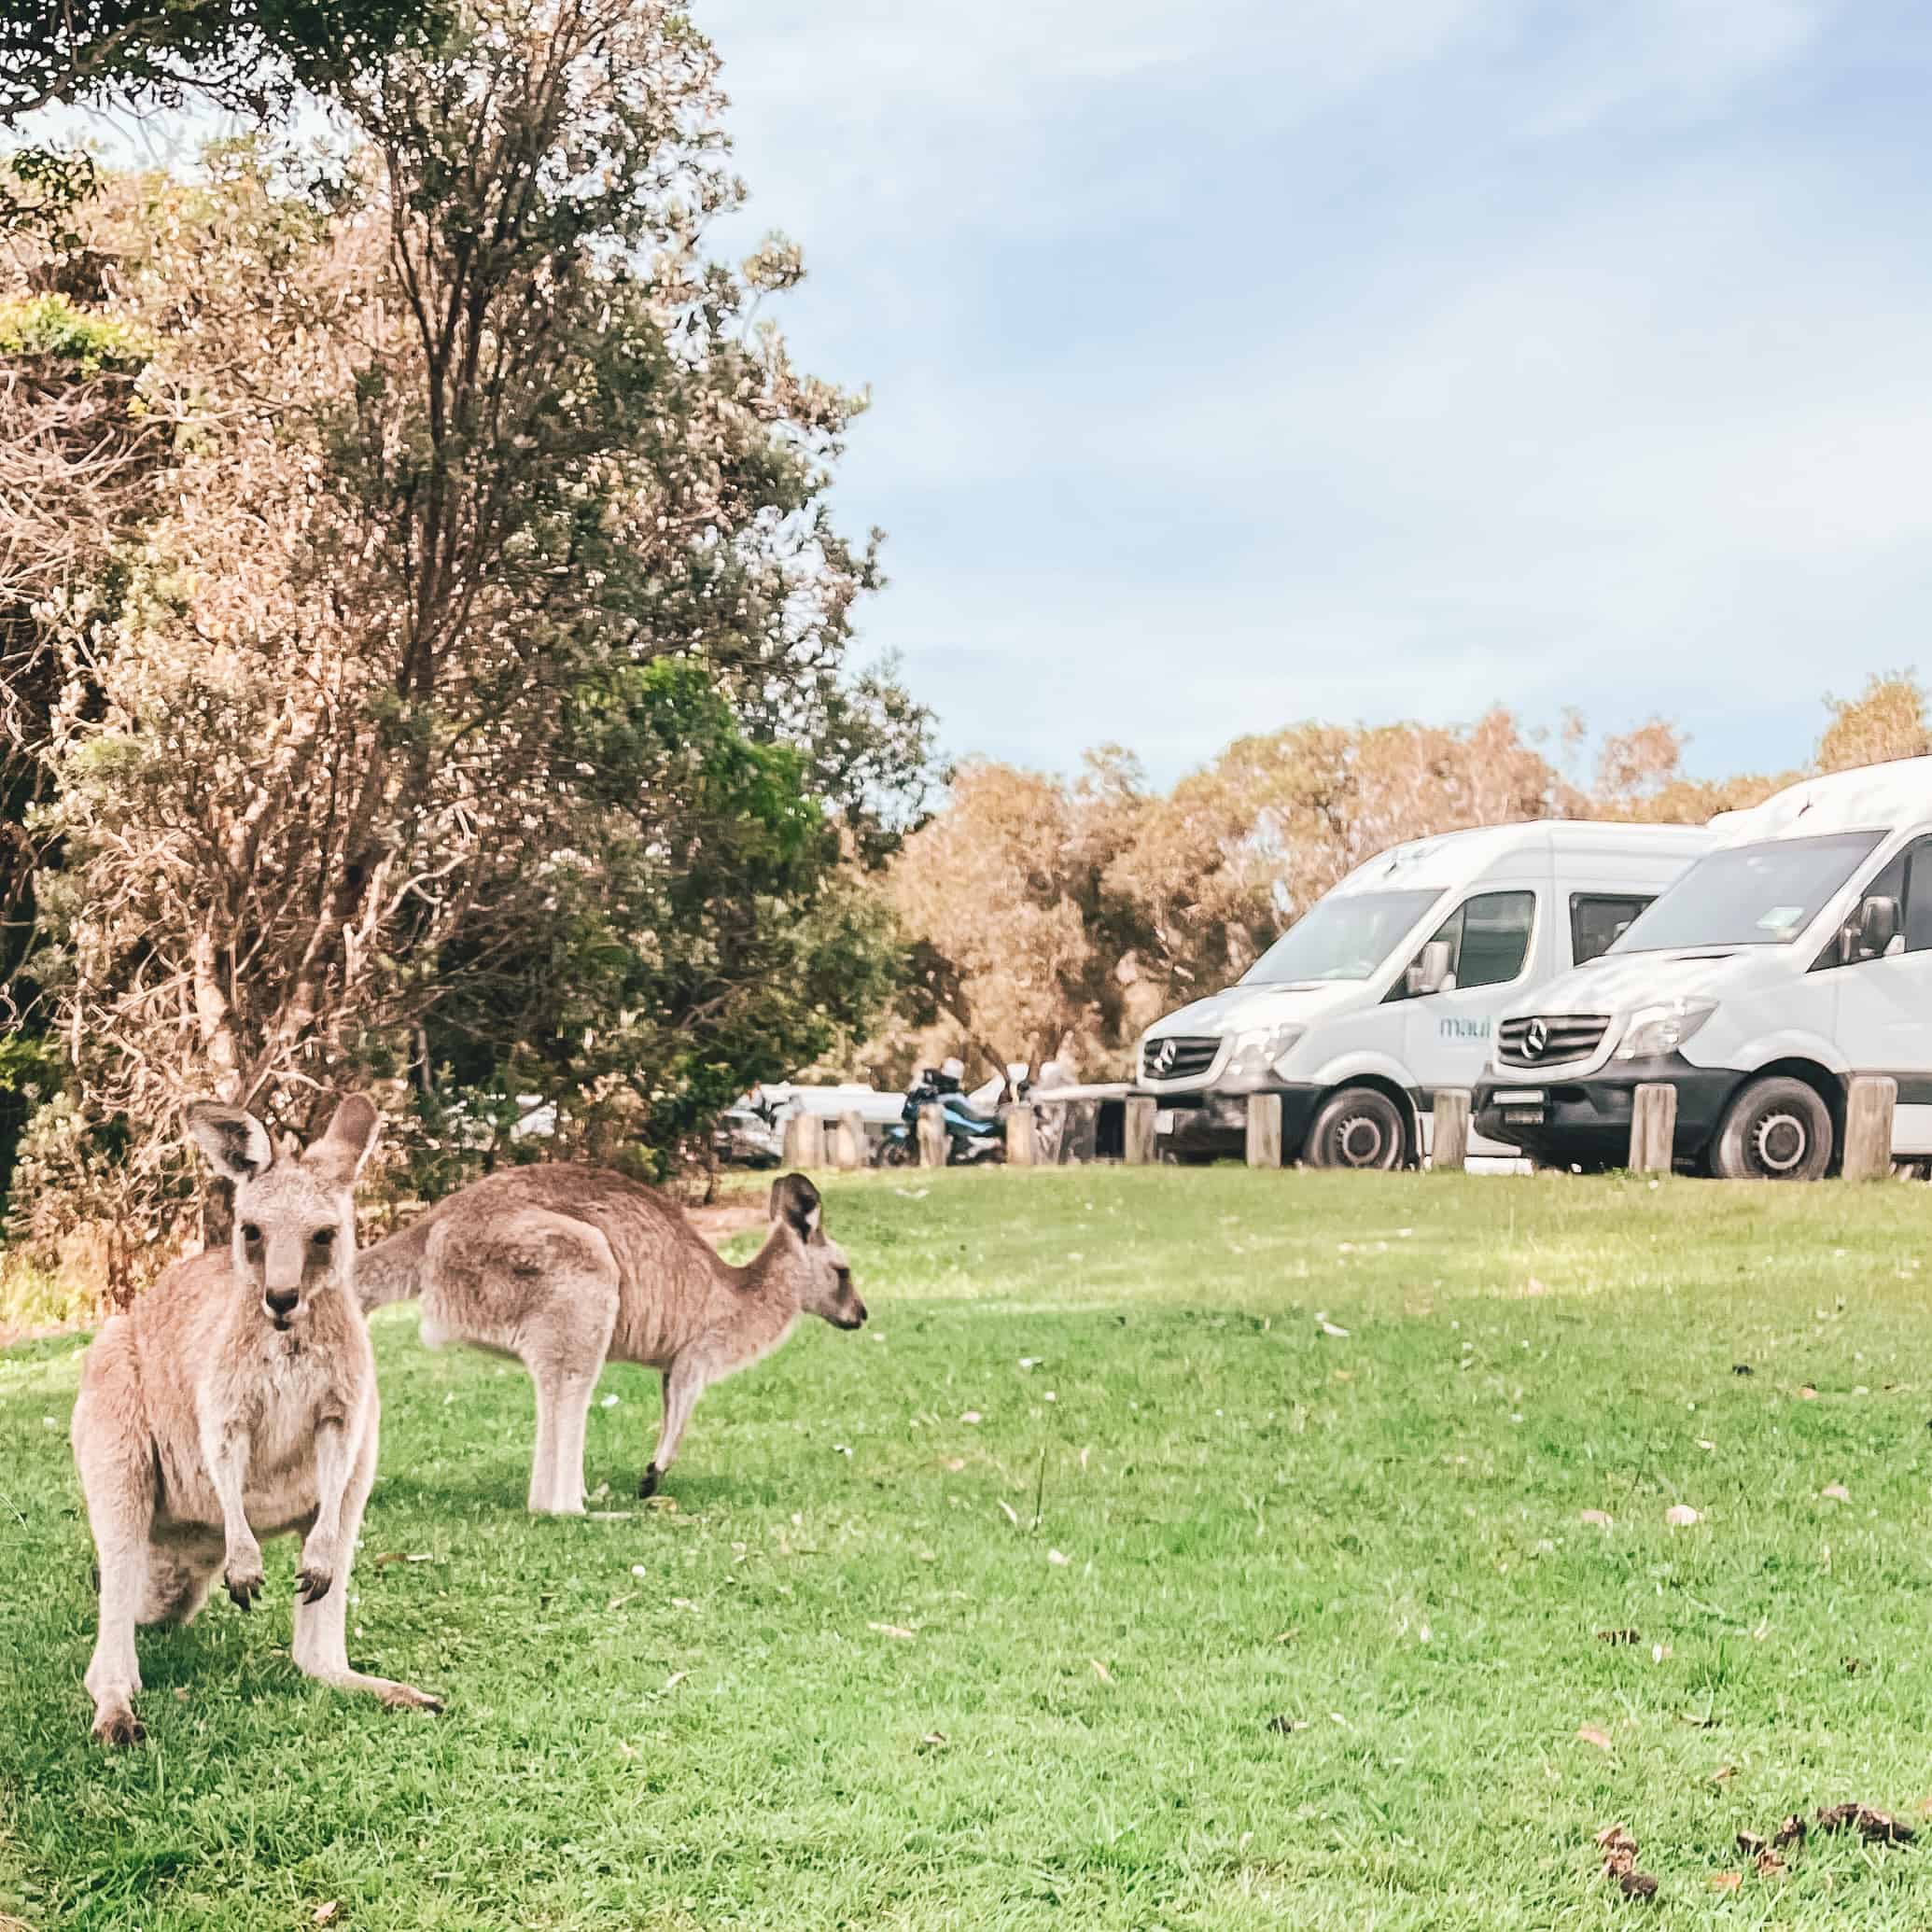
point(484, 651)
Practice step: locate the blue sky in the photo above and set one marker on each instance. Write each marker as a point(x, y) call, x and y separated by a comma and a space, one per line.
point(1266, 359)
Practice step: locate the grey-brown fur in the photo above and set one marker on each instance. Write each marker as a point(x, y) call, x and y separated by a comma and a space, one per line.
point(566, 1268)
point(235, 1401)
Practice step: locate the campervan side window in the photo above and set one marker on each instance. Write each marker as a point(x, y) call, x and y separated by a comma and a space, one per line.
point(1597, 921)
point(1489, 938)
point(1905, 876)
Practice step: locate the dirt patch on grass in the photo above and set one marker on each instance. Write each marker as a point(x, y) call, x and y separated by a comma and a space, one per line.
point(721, 1220)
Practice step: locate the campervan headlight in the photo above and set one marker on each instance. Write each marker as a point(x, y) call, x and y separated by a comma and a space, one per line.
point(1655, 1031)
point(1255, 1053)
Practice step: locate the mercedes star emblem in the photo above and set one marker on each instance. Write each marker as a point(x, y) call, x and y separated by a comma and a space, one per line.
point(1536, 1038)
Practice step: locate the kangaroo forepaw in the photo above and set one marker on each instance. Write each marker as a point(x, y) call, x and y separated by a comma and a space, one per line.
point(245, 1583)
point(313, 1582)
point(647, 1483)
point(120, 1730)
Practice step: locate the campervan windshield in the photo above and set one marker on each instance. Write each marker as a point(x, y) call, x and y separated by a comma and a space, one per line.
point(1762, 894)
point(1345, 936)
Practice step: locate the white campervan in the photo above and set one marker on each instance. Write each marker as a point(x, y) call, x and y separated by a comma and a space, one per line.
point(1386, 989)
point(1795, 955)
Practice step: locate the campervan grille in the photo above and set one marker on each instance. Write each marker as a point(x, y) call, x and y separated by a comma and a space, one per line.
point(1551, 1038)
point(1177, 1060)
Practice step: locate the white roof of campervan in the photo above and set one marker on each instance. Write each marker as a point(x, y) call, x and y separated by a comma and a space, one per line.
point(1872, 796)
point(1451, 857)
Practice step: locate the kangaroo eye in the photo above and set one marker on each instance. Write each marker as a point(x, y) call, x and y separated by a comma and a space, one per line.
point(324, 1238)
point(250, 1233)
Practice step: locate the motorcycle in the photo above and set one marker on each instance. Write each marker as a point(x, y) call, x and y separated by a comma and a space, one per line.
point(971, 1136)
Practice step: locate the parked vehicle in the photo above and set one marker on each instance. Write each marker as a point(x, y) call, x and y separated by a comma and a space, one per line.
point(744, 1136)
point(971, 1136)
point(1386, 988)
point(1792, 956)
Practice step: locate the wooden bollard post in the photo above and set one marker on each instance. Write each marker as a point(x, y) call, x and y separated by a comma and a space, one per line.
point(1264, 1130)
point(1653, 1127)
point(1870, 1101)
point(1020, 1143)
point(1136, 1150)
point(1449, 1134)
point(932, 1135)
point(848, 1142)
point(804, 1141)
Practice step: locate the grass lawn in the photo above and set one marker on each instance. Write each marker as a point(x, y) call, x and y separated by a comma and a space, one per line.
point(1098, 1584)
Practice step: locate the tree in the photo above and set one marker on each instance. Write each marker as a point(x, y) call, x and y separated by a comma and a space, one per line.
point(1885, 721)
point(247, 55)
point(463, 442)
point(1015, 937)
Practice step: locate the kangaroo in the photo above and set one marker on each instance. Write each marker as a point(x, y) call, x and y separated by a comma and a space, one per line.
point(237, 1399)
point(566, 1268)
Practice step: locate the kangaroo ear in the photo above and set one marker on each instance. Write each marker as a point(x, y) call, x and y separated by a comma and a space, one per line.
point(236, 1143)
point(347, 1142)
point(795, 1202)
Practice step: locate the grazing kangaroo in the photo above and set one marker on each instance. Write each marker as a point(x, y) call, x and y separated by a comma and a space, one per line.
point(566, 1268)
point(237, 1399)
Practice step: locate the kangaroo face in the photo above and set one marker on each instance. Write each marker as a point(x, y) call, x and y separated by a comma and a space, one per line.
point(828, 1291)
point(295, 1219)
point(830, 1294)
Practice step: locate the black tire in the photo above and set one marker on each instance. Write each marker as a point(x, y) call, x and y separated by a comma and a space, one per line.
point(1358, 1127)
point(1776, 1129)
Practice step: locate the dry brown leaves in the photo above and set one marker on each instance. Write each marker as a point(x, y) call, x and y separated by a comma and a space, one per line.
point(1619, 1850)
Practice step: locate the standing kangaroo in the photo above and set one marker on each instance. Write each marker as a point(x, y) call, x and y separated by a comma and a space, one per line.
point(237, 1399)
point(566, 1268)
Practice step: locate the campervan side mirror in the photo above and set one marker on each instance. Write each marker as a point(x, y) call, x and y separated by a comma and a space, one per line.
point(1430, 973)
point(1875, 927)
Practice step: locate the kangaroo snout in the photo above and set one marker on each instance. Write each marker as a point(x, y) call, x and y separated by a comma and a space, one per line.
point(853, 1317)
point(280, 1304)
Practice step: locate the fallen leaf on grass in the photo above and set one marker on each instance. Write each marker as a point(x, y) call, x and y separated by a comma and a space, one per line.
point(1620, 1636)
point(664, 1505)
point(1286, 1727)
point(1589, 1734)
point(618, 1602)
point(889, 1630)
point(1597, 1518)
point(1766, 1861)
point(1680, 1516)
point(1808, 1393)
point(676, 1678)
point(972, 1415)
point(933, 1741)
point(1328, 1327)
point(1791, 1832)
point(1012, 1513)
point(1100, 1671)
point(1054, 1555)
point(1725, 1880)
point(1619, 1850)
point(323, 1913)
point(1835, 1492)
point(956, 1463)
point(1724, 1774)
point(1881, 1828)
point(1742, 1368)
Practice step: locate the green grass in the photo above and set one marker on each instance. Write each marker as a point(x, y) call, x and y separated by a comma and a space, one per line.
point(1376, 1537)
